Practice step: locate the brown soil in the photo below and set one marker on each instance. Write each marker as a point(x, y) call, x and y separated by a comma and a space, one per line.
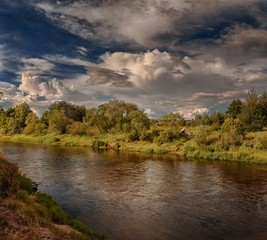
point(13, 227)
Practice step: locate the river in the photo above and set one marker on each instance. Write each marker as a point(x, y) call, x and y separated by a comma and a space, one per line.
point(131, 196)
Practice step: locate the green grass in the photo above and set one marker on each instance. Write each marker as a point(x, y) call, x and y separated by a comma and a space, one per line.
point(202, 145)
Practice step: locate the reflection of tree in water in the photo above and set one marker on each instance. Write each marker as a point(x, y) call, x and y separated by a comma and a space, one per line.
point(246, 187)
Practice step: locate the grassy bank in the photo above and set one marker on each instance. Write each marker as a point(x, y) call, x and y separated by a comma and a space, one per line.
point(203, 144)
point(25, 215)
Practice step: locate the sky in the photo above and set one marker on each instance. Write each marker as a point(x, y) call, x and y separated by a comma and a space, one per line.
point(186, 56)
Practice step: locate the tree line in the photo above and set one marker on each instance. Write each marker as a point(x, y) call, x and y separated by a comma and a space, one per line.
point(116, 116)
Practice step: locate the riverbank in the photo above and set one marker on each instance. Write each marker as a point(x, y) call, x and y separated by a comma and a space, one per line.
point(29, 216)
point(210, 145)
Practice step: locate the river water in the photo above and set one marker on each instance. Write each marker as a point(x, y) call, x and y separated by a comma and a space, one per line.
point(132, 196)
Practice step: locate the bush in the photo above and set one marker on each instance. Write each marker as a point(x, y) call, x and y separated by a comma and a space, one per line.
point(166, 136)
point(149, 135)
point(261, 143)
point(99, 144)
point(134, 136)
point(230, 139)
point(202, 135)
point(77, 128)
point(117, 145)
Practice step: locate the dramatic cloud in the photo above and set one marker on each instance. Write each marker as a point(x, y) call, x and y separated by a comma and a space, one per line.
point(41, 86)
point(188, 56)
point(149, 22)
point(137, 21)
point(248, 41)
point(35, 66)
point(155, 74)
point(2, 57)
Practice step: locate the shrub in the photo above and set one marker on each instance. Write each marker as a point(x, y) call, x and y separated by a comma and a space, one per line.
point(261, 143)
point(149, 135)
point(134, 136)
point(117, 145)
point(166, 136)
point(77, 128)
point(202, 136)
point(232, 138)
point(99, 144)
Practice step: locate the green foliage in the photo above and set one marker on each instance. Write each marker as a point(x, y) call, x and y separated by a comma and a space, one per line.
point(251, 113)
point(58, 121)
point(34, 125)
point(172, 120)
point(202, 135)
point(76, 224)
point(118, 116)
point(261, 143)
point(217, 119)
point(138, 123)
point(150, 135)
point(166, 136)
point(21, 113)
point(73, 112)
point(23, 196)
point(3, 122)
point(55, 212)
point(263, 106)
point(77, 128)
point(99, 144)
point(201, 120)
point(232, 134)
point(234, 108)
point(24, 184)
point(233, 124)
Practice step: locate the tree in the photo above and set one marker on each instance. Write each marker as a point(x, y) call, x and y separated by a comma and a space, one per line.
point(77, 128)
point(139, 123)
point(251, 113)
point(217, 118)
point(95, 117)
point(263, 106)
point(112, 116)
point(234, 108)
point(172, 120)
point(74, 112)
point(3, 121)
point(232, 133)
point(58, 121)
point(34, 125)
point(21, 112)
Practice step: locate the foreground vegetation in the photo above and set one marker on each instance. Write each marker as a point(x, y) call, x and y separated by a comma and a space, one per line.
point(239, 134)
point(25, 215)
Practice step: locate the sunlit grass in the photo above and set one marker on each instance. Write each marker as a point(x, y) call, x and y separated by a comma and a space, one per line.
point(203, 144)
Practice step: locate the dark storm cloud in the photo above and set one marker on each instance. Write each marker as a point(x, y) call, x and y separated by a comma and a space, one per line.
point(99, 75)
point(173, 55)
point(248, 41)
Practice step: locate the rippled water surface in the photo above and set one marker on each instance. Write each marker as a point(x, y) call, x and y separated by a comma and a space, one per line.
point(132, 196)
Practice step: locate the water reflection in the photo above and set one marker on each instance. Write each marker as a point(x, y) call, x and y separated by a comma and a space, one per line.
point(132, 196)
